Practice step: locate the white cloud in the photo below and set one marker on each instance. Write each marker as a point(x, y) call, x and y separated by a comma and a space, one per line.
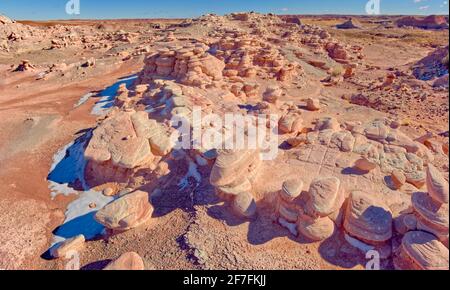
point(424, 7)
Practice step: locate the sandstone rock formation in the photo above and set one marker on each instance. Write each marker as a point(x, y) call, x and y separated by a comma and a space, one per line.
point(192, 65)
point(122, 143)
point(422, 251)
point(126, 212)
point(432, 216)
point(286, 207)
point(126, 261)
point(68, 247)
point(316, 229)
point(244, 205)
point(325, 197)
point(290, 123)
point(232, 172)
point(367, 219)
point(436, 184)
point(337, 52)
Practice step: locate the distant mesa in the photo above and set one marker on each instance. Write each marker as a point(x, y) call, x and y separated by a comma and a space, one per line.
point(429, 22)
point(349, 24)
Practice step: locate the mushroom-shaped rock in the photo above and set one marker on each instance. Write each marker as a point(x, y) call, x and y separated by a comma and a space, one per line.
point(238, 186)
point(325, 197)
point(291, 189)
point(127, 212)
point(65, 248)
point(316, 229)
point(367, 219)
point(313, 104)
point(126, 261)
point(291, 123)
point(431, 213)
point(424, 251)
point(437, 185)
point(231, 165)
point(244, 205)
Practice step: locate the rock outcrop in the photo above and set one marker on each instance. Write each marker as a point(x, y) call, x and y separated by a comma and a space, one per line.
point(232, 176)
point(126, 212)
point(429, 22)
point(437, 185)
point(367, 219)
point(191, 65)
point(68, 247)
point(126, 261)
point(123, 142)
point(422, 251)
point(349, 24)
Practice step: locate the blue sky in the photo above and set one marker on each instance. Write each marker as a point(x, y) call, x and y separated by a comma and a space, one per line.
point(104, 9)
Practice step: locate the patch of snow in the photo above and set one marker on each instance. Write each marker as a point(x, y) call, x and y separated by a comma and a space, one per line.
point(80, 217)
point(108, 96)
point(289, 226)
point(67, 177)
point(83, 99)
point(192, 172)
point(66, 174)
point(68, 167)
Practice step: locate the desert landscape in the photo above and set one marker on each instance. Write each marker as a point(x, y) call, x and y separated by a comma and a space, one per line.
point(92, 178)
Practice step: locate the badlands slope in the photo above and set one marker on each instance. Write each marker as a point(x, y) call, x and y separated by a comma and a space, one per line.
point(87, 169)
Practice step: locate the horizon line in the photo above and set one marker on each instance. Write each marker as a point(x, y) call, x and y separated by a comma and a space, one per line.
point(184, 18)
